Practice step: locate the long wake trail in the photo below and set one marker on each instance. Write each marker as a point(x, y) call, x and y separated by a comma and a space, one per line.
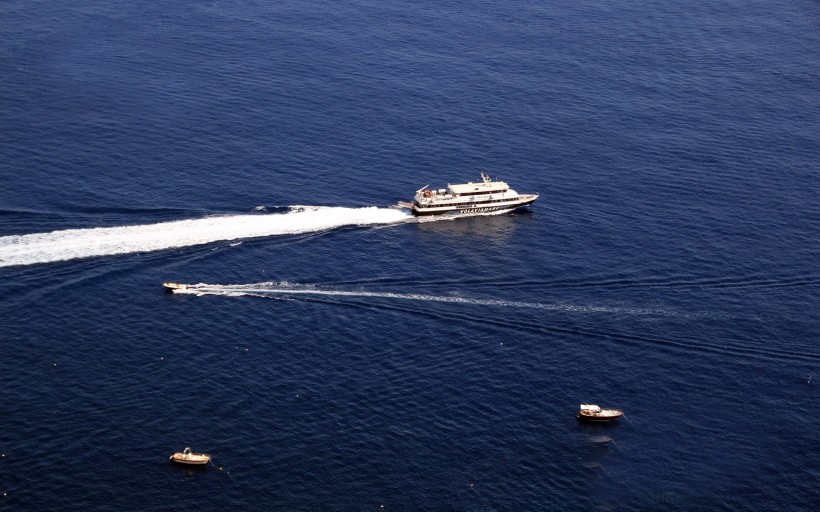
point(85, 243)
point(272, 289)
point(287, 290)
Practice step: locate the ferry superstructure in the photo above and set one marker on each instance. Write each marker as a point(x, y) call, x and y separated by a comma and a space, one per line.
point(485, 197)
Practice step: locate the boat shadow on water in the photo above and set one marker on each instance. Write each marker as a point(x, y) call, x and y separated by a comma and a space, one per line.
point(495, 228)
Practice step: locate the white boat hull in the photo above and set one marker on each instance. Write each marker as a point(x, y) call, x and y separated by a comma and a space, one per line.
point(475, 207)
point(189, 458)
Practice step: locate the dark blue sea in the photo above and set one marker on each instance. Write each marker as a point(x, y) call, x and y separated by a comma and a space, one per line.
point(338, 354)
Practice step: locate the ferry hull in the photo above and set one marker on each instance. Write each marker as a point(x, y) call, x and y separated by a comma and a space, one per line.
point(424, 212)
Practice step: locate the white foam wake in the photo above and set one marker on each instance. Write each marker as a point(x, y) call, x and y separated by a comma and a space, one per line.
point(272, 289)
point(83, 243)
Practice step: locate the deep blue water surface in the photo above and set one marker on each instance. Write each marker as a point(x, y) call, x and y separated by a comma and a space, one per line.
point(360, 360)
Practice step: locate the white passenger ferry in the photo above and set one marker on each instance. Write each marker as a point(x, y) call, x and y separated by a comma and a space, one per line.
point(488, 196)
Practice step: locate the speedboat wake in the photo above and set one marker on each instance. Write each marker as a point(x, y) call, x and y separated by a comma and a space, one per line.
point(285, 289)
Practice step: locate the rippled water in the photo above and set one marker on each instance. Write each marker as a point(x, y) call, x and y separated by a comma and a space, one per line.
point(337, 354)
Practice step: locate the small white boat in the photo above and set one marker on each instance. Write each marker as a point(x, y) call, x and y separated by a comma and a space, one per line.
point(171, 286)
point(189, 458)
point(591, 412)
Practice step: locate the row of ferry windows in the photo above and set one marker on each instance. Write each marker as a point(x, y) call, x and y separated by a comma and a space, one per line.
point(483, 193)
point(462, 204)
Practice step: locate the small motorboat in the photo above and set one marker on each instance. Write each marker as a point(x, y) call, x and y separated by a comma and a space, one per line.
point(171, 286)
point(591, 412)
point(189, 458)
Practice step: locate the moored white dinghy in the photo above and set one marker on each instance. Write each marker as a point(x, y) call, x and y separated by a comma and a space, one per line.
point(189, 458)
point(591, 412)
